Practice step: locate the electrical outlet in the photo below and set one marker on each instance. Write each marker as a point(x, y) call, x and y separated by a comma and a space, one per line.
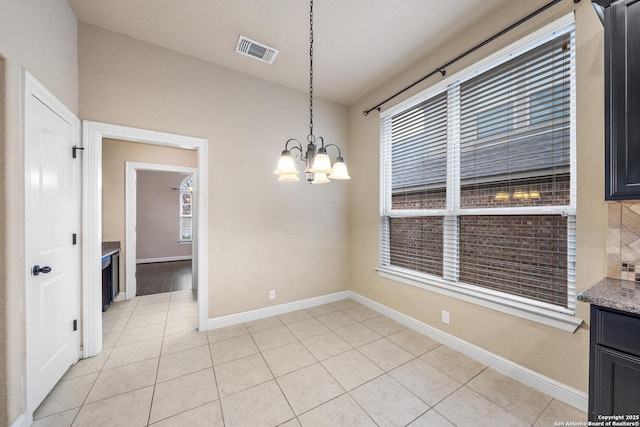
point(445, 317)
point(272, 294)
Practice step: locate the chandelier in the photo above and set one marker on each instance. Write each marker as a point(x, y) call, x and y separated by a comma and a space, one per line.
point(318, 167)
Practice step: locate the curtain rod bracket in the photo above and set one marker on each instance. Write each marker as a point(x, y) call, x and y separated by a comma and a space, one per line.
point(442, 68)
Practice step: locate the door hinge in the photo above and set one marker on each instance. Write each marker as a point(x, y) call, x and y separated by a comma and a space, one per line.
point(75, 324)
point(75, 239)
point(75, 150)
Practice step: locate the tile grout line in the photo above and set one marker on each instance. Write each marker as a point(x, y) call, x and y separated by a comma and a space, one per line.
point(215, 380)
point(345, 392)
point(498, 403)
point(101, 369)
point(348, 392)
point(543, 411)
point(272, 374)
point(388, 372)
point(153, 393)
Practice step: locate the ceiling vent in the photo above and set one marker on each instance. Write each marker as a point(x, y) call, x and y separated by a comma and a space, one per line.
point(256, 50)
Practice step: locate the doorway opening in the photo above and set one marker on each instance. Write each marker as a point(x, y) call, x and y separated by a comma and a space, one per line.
point(94, 134)
point(160, 220)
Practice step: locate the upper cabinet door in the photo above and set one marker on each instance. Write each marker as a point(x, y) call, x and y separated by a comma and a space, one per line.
point(622, 100)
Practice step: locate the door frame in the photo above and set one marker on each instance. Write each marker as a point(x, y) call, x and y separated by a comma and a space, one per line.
point(31, 87)
point(93, 134)
point(131, 208)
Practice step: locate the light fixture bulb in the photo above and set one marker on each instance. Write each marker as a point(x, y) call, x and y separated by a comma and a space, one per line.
point(289, 178)
point(321, 162)
point(339, 170)
point(286, 165)
point(320, 178)
point(502, 195)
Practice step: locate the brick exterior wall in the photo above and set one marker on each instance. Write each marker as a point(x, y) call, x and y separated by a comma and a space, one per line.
point(531, 248)
point(523, 255)
point(547, 191)
point(416, 243)
point(426, 199)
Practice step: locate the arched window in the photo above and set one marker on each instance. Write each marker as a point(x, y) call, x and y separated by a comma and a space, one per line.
point(186, 198)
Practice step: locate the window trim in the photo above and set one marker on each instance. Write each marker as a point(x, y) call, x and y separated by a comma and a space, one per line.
point(511, 304)
point(544, 313)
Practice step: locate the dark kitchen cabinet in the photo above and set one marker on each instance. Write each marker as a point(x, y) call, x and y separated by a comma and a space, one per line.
point(622, 98)
point(110, 278)
point(614, 363)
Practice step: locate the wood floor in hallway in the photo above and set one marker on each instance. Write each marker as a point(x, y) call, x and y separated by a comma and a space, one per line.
point(158, 277)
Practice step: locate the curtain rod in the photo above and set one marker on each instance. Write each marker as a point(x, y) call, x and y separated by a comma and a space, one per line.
point(442, 69)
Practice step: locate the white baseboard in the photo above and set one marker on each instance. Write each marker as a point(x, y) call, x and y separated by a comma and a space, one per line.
point(261, 313)
point(121, 296)
point(553, 388)
point(164, 259)
point(21, 421)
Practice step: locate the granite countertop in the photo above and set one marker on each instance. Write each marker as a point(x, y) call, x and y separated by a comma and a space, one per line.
point(110, 248)
point(623, 295)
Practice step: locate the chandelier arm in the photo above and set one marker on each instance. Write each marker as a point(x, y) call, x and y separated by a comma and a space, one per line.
point(333, 145)
point(286, 145)
point(298, 147)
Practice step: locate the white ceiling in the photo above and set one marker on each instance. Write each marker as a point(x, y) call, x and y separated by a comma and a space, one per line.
point(358, 44)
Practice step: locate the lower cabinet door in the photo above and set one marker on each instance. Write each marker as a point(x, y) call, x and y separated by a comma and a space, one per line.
point(617, 383)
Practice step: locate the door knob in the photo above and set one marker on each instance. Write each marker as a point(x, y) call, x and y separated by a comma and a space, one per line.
point(37, 269)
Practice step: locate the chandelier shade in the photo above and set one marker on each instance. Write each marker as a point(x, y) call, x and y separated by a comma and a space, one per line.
point(318, 168)
point(320, 178)
point(286, 165)
point(321, 162)
point(339, 170)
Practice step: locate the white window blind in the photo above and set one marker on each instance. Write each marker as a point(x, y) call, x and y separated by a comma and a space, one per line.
point(478, 177)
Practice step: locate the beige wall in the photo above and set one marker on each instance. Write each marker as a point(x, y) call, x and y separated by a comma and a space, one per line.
point(559, 355)
point(41, 37)
point(114, 156)
point(158, 215)
point(263, 234)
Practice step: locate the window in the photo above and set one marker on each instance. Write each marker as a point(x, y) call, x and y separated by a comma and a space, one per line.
point(186, 197)
point(478, 179)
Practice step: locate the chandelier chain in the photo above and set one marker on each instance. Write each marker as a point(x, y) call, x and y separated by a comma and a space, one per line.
point(318, 167)
point(311, 138)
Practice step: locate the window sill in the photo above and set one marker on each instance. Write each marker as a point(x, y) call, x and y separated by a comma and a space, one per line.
point(185, 242)
point(555, 318)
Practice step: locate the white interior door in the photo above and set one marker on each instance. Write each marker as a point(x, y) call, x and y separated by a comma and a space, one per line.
point(51, 219)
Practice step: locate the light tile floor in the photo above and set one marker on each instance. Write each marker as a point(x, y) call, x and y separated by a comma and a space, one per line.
point(339, 364)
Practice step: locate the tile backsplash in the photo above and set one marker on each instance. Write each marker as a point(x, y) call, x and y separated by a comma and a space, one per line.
point(623, 240)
